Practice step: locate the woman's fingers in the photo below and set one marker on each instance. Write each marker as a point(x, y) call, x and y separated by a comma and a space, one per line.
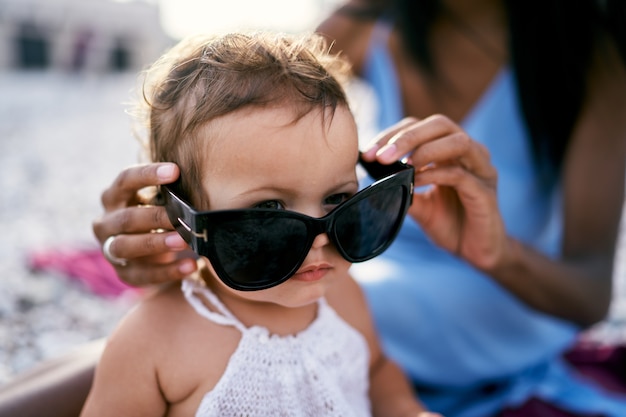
point(475, 195)
point(434, 140)
point(461, 215)
point(123, 191)
point(456, 149)
point(134, 246)
point(383, 139)
point(147, 272)
point(143, 237)
point(135, 219)
point(152, 257)
point(460, 211)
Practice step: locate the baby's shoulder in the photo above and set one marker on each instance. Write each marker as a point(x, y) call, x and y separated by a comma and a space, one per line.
point(161, 310)
point(187, 351)
point(167, 316)
point(163, 323)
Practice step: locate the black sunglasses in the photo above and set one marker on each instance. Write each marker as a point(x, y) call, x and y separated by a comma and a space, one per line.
point(254, 249)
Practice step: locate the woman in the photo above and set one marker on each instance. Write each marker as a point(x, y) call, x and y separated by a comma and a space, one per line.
point(508, 253)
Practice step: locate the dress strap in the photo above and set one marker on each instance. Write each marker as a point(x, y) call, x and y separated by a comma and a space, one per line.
point(193, 289)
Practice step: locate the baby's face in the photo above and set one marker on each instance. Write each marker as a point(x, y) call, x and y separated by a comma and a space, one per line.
point(261, 158)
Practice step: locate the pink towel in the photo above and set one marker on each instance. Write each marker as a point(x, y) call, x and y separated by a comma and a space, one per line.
point(85, 265)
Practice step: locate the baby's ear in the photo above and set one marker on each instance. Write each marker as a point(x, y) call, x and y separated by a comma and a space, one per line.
point(152, 196)
point(205, 272)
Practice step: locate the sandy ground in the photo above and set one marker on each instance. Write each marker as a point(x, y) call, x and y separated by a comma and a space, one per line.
point(63, 139)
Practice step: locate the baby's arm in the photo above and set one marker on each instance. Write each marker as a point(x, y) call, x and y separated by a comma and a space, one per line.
point(126, 379)
point(390, 392)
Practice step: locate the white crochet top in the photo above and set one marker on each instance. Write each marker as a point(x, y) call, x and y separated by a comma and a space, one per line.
point(321, 371)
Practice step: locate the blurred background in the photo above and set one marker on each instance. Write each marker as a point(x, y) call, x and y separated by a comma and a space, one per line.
point(68, 69)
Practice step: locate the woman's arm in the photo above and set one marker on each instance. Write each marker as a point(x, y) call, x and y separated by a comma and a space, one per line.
point(578, 286)
point(461, 213)
point(55, 388)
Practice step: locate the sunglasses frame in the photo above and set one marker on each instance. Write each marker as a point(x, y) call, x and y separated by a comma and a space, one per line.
point(195, 229)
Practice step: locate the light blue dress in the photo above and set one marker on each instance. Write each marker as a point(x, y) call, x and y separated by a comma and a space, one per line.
point(454, 330)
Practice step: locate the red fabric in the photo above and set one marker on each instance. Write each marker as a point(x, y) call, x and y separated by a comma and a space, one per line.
point(606, 365)
point(538, 408)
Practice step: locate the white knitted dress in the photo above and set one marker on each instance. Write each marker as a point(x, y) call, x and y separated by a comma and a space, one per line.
point(321, 371)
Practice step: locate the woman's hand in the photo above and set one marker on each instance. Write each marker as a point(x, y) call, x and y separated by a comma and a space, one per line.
point(459, 212)
point(143, 235)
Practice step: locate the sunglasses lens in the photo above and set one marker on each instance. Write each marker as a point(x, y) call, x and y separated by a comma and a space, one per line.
point(258, 252)
point(365, 228)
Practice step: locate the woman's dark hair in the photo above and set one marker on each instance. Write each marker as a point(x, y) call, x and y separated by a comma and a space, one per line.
point(552, 43)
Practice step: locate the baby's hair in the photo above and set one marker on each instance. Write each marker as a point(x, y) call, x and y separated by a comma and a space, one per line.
point(202, 78)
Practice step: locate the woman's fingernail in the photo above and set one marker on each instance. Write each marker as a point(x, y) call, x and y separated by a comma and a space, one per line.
point(387, 153)
point(175, 241)
point(165, 172)
point(369, 152)
point(187, 267)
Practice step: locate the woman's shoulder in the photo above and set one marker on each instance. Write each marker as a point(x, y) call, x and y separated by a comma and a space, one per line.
point(349, 33)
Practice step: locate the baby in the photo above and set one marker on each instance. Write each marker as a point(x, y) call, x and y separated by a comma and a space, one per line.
point(272, 324)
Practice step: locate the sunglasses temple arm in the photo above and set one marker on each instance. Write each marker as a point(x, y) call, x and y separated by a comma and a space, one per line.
point(377, 171)
point(182, 218)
